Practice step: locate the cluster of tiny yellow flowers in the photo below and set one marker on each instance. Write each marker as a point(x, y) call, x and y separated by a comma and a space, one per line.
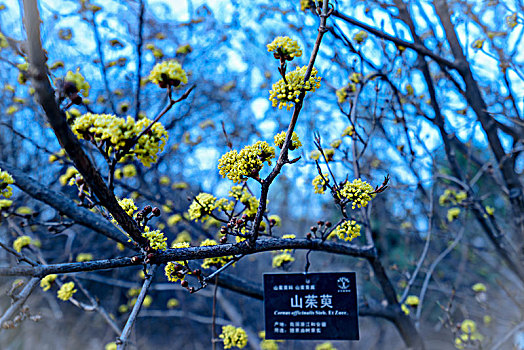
point(182, 237)
point(168, 73)
point(412, 300)
point(276, 219)
point(116, 132)
point(304, 5)
point(47, 281)
point(111, 346)
point(469, 335)
point(6, 180)
point(217, 261)
point(233, 336)
point(325, 346)
point(284, 47)
point(69, 177)
point(281, 137)
point(479, 287)
point(3, 41)
point(453, 213)
point(343, 93)
point(5, 203)
point(348, 230)
point(243, 196)
point(336, 143)
point(268, 344)
point(348, 131)
point(285, 94)
point(21, 242)
point(128, 170)
point(78, 79)
point(156, 239)
point(477, 44)
point(172, 303)
point(358, 192)
point(320, 184)
point(282, 259)
point(360, 37)
point(66, 291)
point(170, 270)
point(128, 205)
point(451, 197)
point(84, 257)
point(202, 206)
point(237, 166)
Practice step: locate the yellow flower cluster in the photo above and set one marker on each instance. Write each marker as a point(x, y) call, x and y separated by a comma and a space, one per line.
point(453, 213)
point(168, 73)
point(325, 346)
point(217, 261)
point(451, 197)
point(6, 180)
point(170, 271)
point(470, 335)
point(276, 219)
point(237, 166)
point(349, 131)
point(156, 239)
point(84, 257)
point(285, 94)
point(343, 93)
point(5, 203)
point(202, 206)
point(78, 79)
point(360, 37)
point(268, 344)
point(3, 42)
point(128, 170)
point(21, 242)
point(250, 202)
point(182, 237)
point(348, 230)
point(412, 300)
point(281, 137)
point(358, 192)
point(111, 346)
point(172, 303)
point(47, 281)
point(479, 287)
point(128, 205)
point(233, 336)
point(70, 174)
point(282, 259)
point(116, 131)
point(304, 5)
point(320, 184)
point(66, 291)
point(284, 47)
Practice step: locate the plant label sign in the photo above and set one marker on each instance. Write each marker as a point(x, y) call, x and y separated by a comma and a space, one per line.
point(320, 306)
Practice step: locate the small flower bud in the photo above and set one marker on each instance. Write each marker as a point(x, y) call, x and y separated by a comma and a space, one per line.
point(184, 283)
point(223, 239)
point(320, 222)
point(135, 259)
point(313, 228)
point(328, 224)
point(147, 209)
point(309, 235)
point(156, 211)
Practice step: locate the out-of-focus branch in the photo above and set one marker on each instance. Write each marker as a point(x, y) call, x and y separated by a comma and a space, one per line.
point(122, 340)
point(20, 300)
point(65, 206)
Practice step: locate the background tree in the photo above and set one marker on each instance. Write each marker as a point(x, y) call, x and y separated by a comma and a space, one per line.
point(425, 95)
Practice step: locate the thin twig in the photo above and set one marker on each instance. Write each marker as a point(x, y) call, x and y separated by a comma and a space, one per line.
point(123, 339)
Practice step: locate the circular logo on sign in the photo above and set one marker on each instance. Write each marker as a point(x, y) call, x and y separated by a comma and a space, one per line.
point(343, 283)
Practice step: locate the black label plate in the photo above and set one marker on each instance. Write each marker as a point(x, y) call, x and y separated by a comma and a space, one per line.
point(319, 306)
